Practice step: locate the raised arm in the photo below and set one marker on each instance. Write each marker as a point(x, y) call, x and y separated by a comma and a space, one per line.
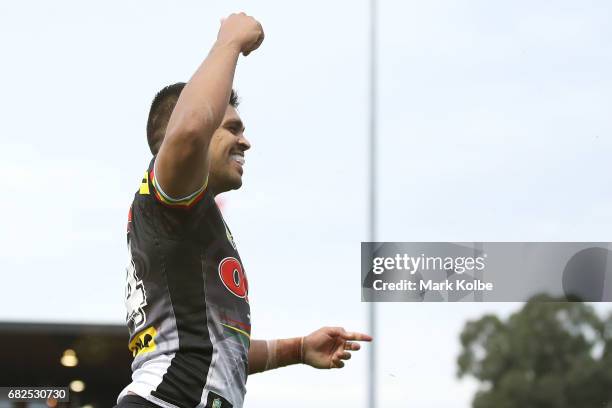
point(324, 348)
point(181, 166)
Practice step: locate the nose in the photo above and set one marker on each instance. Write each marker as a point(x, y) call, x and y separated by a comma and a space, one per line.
point(244, 143)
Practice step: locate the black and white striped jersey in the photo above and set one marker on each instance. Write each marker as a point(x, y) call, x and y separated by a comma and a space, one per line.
point(187, 302)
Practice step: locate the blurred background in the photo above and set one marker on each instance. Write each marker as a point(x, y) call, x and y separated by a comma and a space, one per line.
point(493, 125)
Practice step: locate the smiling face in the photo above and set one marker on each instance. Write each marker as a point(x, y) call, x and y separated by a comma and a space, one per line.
point(226, 151)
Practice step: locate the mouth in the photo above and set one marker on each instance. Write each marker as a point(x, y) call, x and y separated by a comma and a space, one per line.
point(238, 158)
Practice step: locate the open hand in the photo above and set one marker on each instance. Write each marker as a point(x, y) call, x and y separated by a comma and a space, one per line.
point(328, 346)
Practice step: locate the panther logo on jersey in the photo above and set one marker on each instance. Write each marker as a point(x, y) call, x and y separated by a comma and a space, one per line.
point(135, 296)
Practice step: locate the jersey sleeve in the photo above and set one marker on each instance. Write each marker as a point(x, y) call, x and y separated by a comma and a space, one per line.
point(150, 186)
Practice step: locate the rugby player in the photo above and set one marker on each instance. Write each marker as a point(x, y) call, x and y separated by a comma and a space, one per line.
point(187, 292)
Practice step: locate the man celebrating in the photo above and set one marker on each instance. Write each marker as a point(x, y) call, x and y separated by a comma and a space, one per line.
point(187, 292)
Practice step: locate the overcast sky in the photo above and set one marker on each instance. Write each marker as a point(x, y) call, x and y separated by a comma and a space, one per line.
point(494, 124)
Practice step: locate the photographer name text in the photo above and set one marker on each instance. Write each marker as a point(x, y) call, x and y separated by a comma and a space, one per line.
point(425, 285)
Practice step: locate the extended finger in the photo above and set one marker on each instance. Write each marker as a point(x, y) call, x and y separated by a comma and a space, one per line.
point(335, 331)
point(355, 336)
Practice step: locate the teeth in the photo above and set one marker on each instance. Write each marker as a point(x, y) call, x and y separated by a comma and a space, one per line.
point(238, 158)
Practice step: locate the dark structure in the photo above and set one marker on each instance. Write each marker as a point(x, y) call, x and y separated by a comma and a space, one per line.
point(93, 358)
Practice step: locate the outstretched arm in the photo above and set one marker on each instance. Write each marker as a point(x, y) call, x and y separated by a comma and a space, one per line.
point(181, 166)
point(324, 348)
point(268, 354)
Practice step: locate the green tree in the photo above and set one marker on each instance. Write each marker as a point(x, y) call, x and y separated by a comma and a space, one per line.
point(550, 354)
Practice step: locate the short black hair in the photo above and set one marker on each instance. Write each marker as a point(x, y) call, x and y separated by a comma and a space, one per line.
point(161, 108)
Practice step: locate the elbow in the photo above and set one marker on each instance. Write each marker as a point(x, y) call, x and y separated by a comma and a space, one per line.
point(193, 127)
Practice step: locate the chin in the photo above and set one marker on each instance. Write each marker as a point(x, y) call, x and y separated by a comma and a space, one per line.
point(233, 183)
point(237, 184)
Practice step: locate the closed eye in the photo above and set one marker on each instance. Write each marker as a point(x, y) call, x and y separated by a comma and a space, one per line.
point(235, 126)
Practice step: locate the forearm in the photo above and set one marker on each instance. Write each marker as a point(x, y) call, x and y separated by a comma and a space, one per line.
point(203, 101)
point(266, 355)
point(258, 356)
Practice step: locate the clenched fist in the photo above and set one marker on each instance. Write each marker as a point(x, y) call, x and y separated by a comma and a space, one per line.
point(241, 31)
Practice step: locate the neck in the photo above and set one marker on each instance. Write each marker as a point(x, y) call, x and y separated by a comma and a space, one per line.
point(214, 189)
